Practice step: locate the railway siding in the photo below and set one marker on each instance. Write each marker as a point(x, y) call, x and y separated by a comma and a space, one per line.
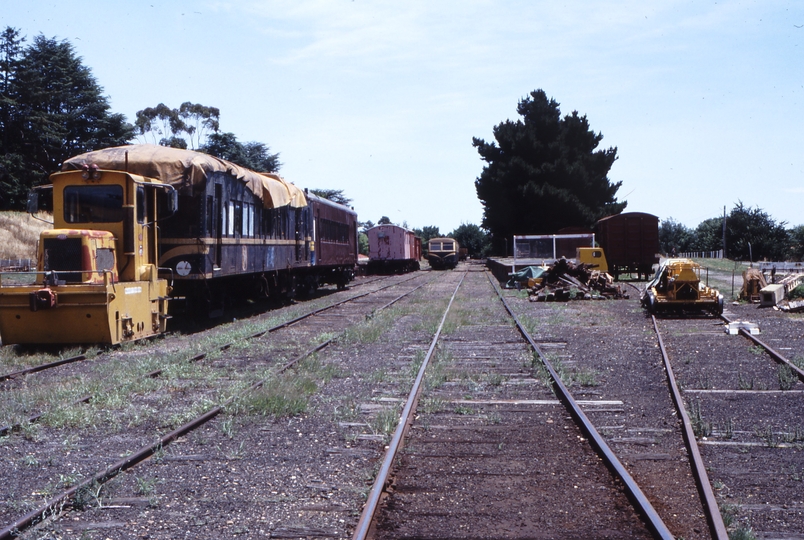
point(744, 406)
point(608, 350)
point(492, 453)
point(260, 470)
point(226, 440)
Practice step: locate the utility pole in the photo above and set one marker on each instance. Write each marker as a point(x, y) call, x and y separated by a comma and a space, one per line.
point(724, 231)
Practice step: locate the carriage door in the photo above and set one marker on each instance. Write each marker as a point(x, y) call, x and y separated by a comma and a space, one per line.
point(218, 224)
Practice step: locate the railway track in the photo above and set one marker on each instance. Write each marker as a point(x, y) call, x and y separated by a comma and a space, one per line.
point(38, 361)
point(304, 473)
point(610, 351)
point(42, 385)
point(743, 398)
point(497, 455)
point(307, 339)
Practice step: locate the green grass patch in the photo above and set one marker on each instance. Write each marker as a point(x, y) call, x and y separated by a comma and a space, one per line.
point(283, 396)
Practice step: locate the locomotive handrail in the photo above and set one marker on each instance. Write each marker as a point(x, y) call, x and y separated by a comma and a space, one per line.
point(51, 277)
point(166, 269)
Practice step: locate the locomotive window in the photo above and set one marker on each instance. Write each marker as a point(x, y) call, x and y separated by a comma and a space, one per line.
point(435, 246)
point(63, 255)
point(268, 223)
point(285, 221)
point(447, 246)
point(141, 204)
point(104, 259)
point(247, 229)
point(248, 225)
point(238, 218)
point(93, 204)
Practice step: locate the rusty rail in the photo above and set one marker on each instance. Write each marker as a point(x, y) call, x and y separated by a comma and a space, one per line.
point(5, 430)
point(42, 367)
point(55, 504)
point(716, 526)
point(372, 502)
point(776, 355)
point(632, 489)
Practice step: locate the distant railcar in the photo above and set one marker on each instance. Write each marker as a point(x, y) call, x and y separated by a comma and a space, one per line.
point(630, 242)
point(393, 249)
point(443, 253)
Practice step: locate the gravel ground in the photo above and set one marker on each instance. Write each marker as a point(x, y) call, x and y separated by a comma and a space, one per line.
point(607, 350)
point(304, 472)
point(297, 474)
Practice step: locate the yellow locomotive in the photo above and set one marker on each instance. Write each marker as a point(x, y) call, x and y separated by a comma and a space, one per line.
point(97, 277)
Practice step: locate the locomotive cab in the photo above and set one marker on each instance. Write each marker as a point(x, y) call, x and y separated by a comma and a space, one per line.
point(97, 279)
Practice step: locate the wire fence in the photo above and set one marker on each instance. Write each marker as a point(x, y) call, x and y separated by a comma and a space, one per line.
point(702, 254)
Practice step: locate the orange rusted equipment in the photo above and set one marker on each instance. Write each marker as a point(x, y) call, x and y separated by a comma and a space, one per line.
point(97, 277)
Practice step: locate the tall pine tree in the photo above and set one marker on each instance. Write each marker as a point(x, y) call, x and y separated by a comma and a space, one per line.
point(544, 173)
point(53, 109)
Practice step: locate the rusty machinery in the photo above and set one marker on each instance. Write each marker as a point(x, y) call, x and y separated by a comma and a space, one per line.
point(97, 279)
point(677, 285)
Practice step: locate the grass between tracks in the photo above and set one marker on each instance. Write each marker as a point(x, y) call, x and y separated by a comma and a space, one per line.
point(117, 384)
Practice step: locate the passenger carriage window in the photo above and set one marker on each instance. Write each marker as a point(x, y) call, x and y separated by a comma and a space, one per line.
point(230, 218)
point(210, 211)
point(238, 218)
point(334, 232)
point(93, 204)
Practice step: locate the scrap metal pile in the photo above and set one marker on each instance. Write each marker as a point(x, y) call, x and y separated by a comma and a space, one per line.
point(565, 280)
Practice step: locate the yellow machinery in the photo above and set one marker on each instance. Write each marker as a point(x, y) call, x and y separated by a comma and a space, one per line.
point(594, 257)
point(97, 278)
point(677, 285)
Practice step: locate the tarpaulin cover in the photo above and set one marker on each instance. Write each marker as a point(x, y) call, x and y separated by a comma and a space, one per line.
point(178, 167)
point(529, 272)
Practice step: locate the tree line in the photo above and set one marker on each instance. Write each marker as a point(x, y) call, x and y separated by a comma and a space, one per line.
point(750, 234)
point(545, 173)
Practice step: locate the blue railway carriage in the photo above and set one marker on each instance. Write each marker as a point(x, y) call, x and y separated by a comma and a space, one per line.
point(237, 232)
point(443, 253)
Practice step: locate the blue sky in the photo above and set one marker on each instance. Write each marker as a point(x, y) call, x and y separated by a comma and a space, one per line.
point(704, 100)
